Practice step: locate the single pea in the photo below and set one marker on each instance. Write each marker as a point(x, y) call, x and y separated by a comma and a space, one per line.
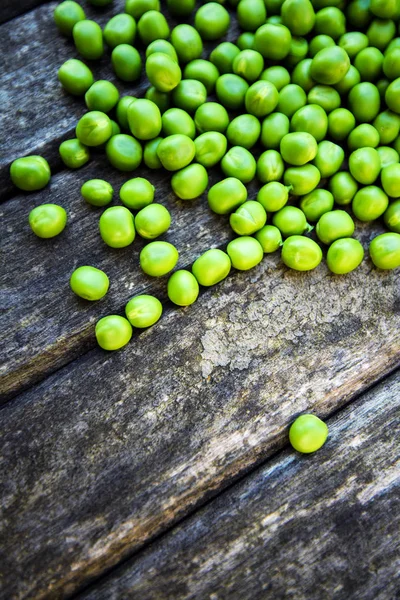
point(212, 21)
point(102, 96)
point(385, 9)
point(302, 179)
point(226, 195)
point(391, 63)
point(387, 124)
point(320, 42)
point(388, 156)
point(244, 131)
point(369, 63)
point(153, 26)
point(317, 203)
point(330, 65)
point(308, 433)
point(341, 123)
point(245, 252)
point(126, 62)
point(298, 51)
point(150, 156)
point(301, 75)
point(187, 43)
point(240, 163)
point(343, 187)
point(261, 98)
point(210, 148)
point(47, 220)
point(325, 96)
point(161, 99)
point(291, 98)
point(163, 72)
point(344, 255)
point(89, 283)
point(121, 29)
point(301, 253)
point(231, 91)
point(177, 121)
point(364, 101)
point(88, 39)
point(66, 15)
point(204, 71)
point(274, 127)
point(248, 218)
point(330, 21)
point(273, 41)
point(122, 111)
point(113, 332)
point(176, 152)
point(137, 8)
point(290, 220)
point(273, 196)
point(97, 192)
point(191, 182)
point(298, 15)
point(333, 225)
point(189, 94)
point(298, 148)
point(391, 216)
point(381, 32)
point(248, 64)
point(211, 116)
point(137, 193)
point(94, 128)
point(117, 227)
point(152, 221)
point(353, 42)
point(143, 311)
point(144, 119)
point(363, 136)
point(181, 8)
point(251, 14)
point(329, 158)
point(30, 173)
point(245, 40)
point(310, 119)
point(358, 14)
point(211, 267)
point(369, 203)
point(162, 46)
point(365, 165)
point(390, 177)
point(223, 56)
point(385, 251)
point(124, 152)
point(182, 288)
point(158, 258)
point(270, 238)
point(270, 166)
point(277, 75)
point(349, 81)
point(75, 77)
point(73, 153)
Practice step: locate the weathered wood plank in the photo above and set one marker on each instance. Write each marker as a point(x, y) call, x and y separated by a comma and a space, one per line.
point(109, 451)
point(324, 526)
point(11, 9)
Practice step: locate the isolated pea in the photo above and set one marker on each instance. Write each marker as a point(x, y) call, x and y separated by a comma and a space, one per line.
point(161, 99)
point(273, 196)
point(190, 182)
point(211, 267)
point(291, 98)
point(320, 42)
point(270, 166)
point(245, 252)
point(317, 203)
point(298, 15)
point(181, 8)
point(344, 255)
point(89, 283)
point(113, 332)
point(126, 62)
point(121, 29)
point(88, 39)
point(211, 116)
point(117, 227)
point(143, 311)
point(274, 127)
point(137, 193)
point(226, 195)
point(365, 165)
point(330, 65)
point(152, 26)
point(334, 225)
point(94, 128)
point(343, 186)
point(187, 43)
point(385, 251)
point(308, 433)
point(273, 41)
point(73, 153)
point(182, 288)
point(261, 98)
point(364, 101)
point(353, 42)
point(391, 216)
point(177, 121)
point(277, 75)
point(240, 163)
point(387, 123)
point(251, 14)
point(158, 258)
point(223, 56)
point(325, 96)
point(137, 8)
point(245, 40)
point(341, 123)
point(30, 173)
point(311, 119)
point(144, 119)
point(176, 152)
point(301, 75)
point(248, 64)
point(270, 238)
point(124, 152)
point(75, 77)
point(189, 94)
point(163, 72)
point(330, 21)
point(97, 192)
point(204, 71)
point(162, 46)
point(48, 220)
point(298, 148)
point(244, 131)
point(369, 63)
point(369, 203)
point(329, 158)
point(212, 21)
point(66, 15)
point(231, 90)
point(102, 96)
point(290, 220)
point(301, 253)
point(363, 136)
point(388, 156)
point(302, 179)
point(381, 32)
point(210, 148)
point(248, 218)
point(152, 221)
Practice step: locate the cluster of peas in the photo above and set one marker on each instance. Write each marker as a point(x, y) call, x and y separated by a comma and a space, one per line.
point(284, 83)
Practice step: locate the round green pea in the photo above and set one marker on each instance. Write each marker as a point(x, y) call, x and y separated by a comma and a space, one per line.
point(261, 98)
point(273, 196)
point(187, 43)
point(89, 283)
point(153, 26)
point(88, 39)
point(329, 158)
point(150, 156)
point(121, 29)
point(248, 64)
point(388, 156)
point(212, 21)
point(385, 251)
point(176, 151)
point(137, 8)
point(102, 96)
point(291, 98)
point(244, 131)
point(191, 182)
point(75, 77)
point(251, 14)
point(113, 332)
point(163, 71)
point(189, 94)
point(274, 127)
point(369, 63)
point(47, 220)
point(358, 14)
point(317, 203)
point(211, 116)
point(302, 180)
point(245, 40)
point(137, 193)
point(381, 32)
point(223, 56)
point(162, 46)
point(94, 128)
point(143, 311)
point(325, 96)
point(124, 152)
point(240, 163)
point(301, 75)
point(182, 288)
point(330, 21)
point(369, 203)
point(117, 227)
point(298, 15)
point(126, 62)
point(204, 71)
point(158, 258)
point(248, 218)
point(387, 124)
point(365, 165)
point(391, 216)
point(270, 238)
point(290, 220)
point(363, 136)
point(364, 101)
point(73, 153)
point(319, 42)
point(152, 221)
point(298, 148)
point(349, 81)
point(391, 63)
point(310, 119)
point(390, 177)
point(343, 186)
point(30, 173)
point(226, 195)
point(344, 255)
point(67, 14)
point(231, 91)
point(270, 166)
point(277, 75)
point(144, 119)
point(177, 121)
point(245, 252)
point(211, 267)
point(97, 192)
point(273, 41)
point(308, 433)
point(161, 99)
point(333, 225)
point(353, 42)
point(210, 148)
point(341, 123)
point(301, 253)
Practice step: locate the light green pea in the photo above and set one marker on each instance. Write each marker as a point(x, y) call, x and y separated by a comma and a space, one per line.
point(273, 196)
point(388, 156)
point(94, 128)
point(308, 433)
point(291, 98)
point(270, 238)
point(30, 173)
point(270, 166)
point(329, 158)
point(158, 258)
point(369, 203)
point(248, 64)
point(102, 96)
point(226, 195)
point(97, 192)
point(210, 148)
point(391, 216)
point(344, 255)
point(204, 71)
point(88, 39)
point(290, 220)
point(385, 251)
point(343, 187)
point(75, 77)
point(325, 96)
point(144, 119)
point(176, 152)
point(317, 203)
point(341, 123)
point(190, 182)
point(240, 163)
point(245, 253)
point(365, 165)
point(126, 62)
point(153, 26)
point(177, 121)
point(211, 116)
point(212, 21)
point(298, 148)
point(302, 180)
point(137, 8)
point(163, 71)
point(152, 221)
point(161, 99)
point(74, 154)
point(66, 15)
point(183, 288)
point(274, 127)
point(390, 177)
point(137, 193)
point(363, 136)
point(334, 225)
point(121, 29)
point(143, 311)
point(187, 43)
point(117, 227)
point(262, 98)
point(277, 75)
point(248, 218)
point(244, 131)
point(162, 46)
point(211, 267)
point(48, 220)
point(124, 152)
point(89, 283)
point(113, 332)
point(223, 56)
point(301, 253)
point(189, 94)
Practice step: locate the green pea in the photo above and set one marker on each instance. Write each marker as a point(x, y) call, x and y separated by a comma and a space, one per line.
point(311, 119)
point(320, 42)
point(226, 195)
point(330, 65)
point(261, 98)
point(291, 98)
point(344, 255)
point(212, 21)
point(325, 96)
point(153, 26)
point(270, 166)
point(358, 14)
point(223, 56)
point(137, 193)
point(298, 15)
point(248, 218)
point(113, 332)
point(329, 158)
point(350, 80)
point(245, 40)
point(152, 221)
point(240, 163)
point(74, 154)
point(273, 41)
point(365, 165)
point(122, 111)
point(126, 62)
point(204, 71)
point(102, 96)
point(385, 9)
point(89, 283)
point(121, 29)
point(161, 99)
point(364, 101)
point(244, 131)
point(117, 227)
point(290, 220)
point(298, 148)
point(248, 64)
point(330, 21)
point(392, 96)
point(211, 267)
point(277, 75)
point(211, 116)
point(385, 251)
point(343, 187)
point(88, 39)
point(301, 253)
point(308, 433)
point(369, 63)
point(341, 123)
point(163, 72)
point(190, 182)
point(66, 15)
point(181, 8)
point(137, 8)
point(143, 311)
point(380, 32)
point(231, 91)
point(369, 203)
point(210, 148)
point(251, 14)
point(298, 51)
point(353, 42)
point(390, 177)
point(270, 238)
point(274, 127)
point(391, 64)
point(75, 77)
point(317, 203)
point(183, 288)
point(94, 128)
point(301, 75)
point(177, 121)
point(124, 152)
point(189, 94)
point(144, 119)
point(334, 225)
point(97, 192)
point(176, 152)
point(30, 173)
point(187, 43)
point(392, 216)
point(365, 135)
point(150, 156)
point(158, 258)
point(393, 45)
point(48, 220)
point(302, 179)
point(273, 196)
point(245, 253)
point(388, 156)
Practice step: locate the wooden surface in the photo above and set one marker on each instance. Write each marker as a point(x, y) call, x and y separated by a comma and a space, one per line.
point(102, 453)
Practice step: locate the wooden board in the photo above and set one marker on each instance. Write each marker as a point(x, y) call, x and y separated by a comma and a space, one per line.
point(319, 526)
point(11, 9)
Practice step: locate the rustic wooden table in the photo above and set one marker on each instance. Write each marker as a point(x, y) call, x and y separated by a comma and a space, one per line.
point(163, 471)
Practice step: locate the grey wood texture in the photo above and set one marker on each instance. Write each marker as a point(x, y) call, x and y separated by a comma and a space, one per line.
point(305, 527)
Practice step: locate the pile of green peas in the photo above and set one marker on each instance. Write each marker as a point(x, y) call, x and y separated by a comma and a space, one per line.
point(307, 102)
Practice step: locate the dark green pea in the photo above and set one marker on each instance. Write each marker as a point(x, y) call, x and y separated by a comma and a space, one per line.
point(350, 80)
point(330, 21)
point(270, 166)
point(291, 98)
point(248, 64)
point(344, 255)
point(261, 98)
point(301, 253)
point(102, 96)
point(47, 220)
point(75, 77)
point(231, 91)
point(302, 179)
point(365, 135)
point(191, 182)
point(113, 332)
point(150, 156)
point(66, 15)
point(176, 120)
point(311, 119)
point(117, 227)
point(320, 42)
point(162, 46)
point(144, 119)
point(391, 216)
point(223, 56)
point(121, 29)
point(391, 64)
point(317, 203)
point(334, 225)
point(158, 258)
point(226, 195)
point(210, 148)
point(290, 220)
point(298, 51)
point(390, 177)
point(74, 154)
point(126, 62)
point(248, 218)
point(385, 251)
point(211, 116)
point(273, 6)
point(30, 173)
point(122, 111)
point(353, 42)
point(97, 192)
point(369, 203)
point(341, 123)
point(124, 152)
point(392, 96)
point(211, 267)
point(88, 39)
point(365, 165)
point(298, 15)
point(240, 163)
point(329, 158)
point(251, 14)
point(94, 128)
point(89, 283)
point(382, 86)
point(274, 127)
point(325, 96)
point(388, 156)
point(189, 94)
point(176, 152)
point(273, 41)
point(245, 253)
point(181, 8)
point(182, 288)
point(343, 187)
point(137, 193)
point(381, 32)
point(163, 72)
point(204, 71)
point(369, 63)
point(212, 21)
point(364, 101)
point(143, 311)
point(137, 8)
point(301, 75)
point(245, 41)
point(330, 65)
point(152, 221)
point(187, 43)
point(277, 75)
point(358, 14)
point(161, 99)
point(270, 238)
point(387, 124)
point(298, 148)
point(153, 26)
point(273, 196)
point(244, 131)
point(385, 9)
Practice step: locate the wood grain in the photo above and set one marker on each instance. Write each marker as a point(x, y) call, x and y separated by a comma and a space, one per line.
point(319, 526)
point(11, 9)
